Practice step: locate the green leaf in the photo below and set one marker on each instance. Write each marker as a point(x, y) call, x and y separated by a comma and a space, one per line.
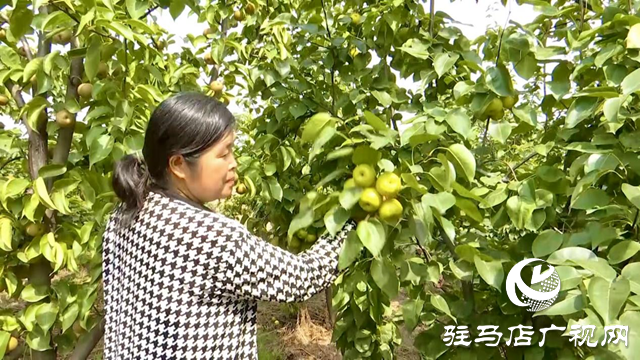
point(608, 297)
point(571, 304)
point(137, 8)
point(496, 197)
point(372, 235)
point(527, 66)
point(92, 61)
point(52, 170)
point(568, 256)
point(632, 193)
point(176, 7)
point(623, 251)
point(441, 201)
point(560, 84)
point(590, 199)
point(350, 251)
point(580, 110)
point(546, 243)
point(39, 340)
point(4, 342)
point(6, 234)
point(632, 320)
point(499, 80)
point(375, 121)
point(46, 315)
point(69, 316)
point(339, 153)
point(490, 271)
point(364, 154)
point(631, 83)
point(32, 293)
point(100, 148)
point(470, 209)
point(443, 62)
point(325, 135)
point(440, 303)
point(349, 197)
point(335, 219)
point(43, 194)
point(302, 220)
point(32, 68)
point(384, 274)
point(383, 97)
point(465, 160)
point(20, 21)
point(632, 273)
point(274, 186)
point(500, 130)
point(411, 311)
point(315, 124)
point(298, 109)
point(459, 122)
point(117, 27)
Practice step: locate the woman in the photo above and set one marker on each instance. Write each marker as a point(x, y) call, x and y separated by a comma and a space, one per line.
point(181, 281)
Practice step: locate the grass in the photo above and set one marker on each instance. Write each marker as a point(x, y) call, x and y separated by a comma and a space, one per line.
point(269, 346)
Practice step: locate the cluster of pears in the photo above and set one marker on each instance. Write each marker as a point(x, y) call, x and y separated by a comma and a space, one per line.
point(379, 194)
point(495, 109)
point(301, 236)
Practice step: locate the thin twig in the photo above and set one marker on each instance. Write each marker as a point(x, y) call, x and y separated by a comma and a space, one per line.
point(126, 66)
point(9, 161)
point(502, 34)
point(149, 11)
point(326, 19)
point(486, 131)
point(426, 255)
point(513, 169)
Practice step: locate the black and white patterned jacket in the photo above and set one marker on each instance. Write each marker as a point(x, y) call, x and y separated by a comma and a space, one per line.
point(183, 282)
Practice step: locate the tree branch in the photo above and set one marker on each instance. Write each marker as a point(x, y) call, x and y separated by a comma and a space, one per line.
point(486, 131)
point(467, 286)
point(432, 17)
point(10, 161)
point(149, 12)
point(65, 135)
point(333, 68)
point(513, 169)
point(88, 342)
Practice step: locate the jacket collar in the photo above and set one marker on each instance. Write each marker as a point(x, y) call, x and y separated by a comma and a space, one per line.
point(177, 196)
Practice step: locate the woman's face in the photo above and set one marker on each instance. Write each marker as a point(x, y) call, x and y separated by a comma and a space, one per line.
point(212, 176)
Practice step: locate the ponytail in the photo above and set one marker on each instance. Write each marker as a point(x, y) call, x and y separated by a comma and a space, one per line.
point(130, 181)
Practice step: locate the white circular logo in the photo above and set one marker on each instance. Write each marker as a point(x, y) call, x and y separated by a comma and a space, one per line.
point(540, 293)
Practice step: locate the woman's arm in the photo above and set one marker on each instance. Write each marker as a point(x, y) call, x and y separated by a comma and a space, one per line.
point(251, 268)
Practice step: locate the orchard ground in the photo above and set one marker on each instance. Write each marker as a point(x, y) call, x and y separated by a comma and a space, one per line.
point(281, 333)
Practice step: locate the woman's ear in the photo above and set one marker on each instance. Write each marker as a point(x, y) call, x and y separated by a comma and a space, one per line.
point(178, 166)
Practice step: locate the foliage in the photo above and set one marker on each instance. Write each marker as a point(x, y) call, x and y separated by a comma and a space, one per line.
point(485, 185)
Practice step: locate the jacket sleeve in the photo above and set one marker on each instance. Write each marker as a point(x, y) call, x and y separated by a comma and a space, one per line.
point(248, 267)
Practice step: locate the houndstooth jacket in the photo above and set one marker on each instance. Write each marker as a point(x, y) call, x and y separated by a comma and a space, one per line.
point(182, 282)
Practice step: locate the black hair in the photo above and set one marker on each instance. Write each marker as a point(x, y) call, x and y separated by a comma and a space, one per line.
point(186, 124)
